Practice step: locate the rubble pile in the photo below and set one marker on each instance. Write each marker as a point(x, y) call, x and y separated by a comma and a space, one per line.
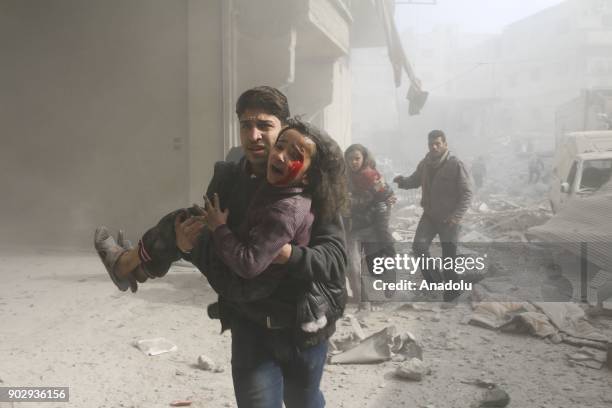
point(501, 219)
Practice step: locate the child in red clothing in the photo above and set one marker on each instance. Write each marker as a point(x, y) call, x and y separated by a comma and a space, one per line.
point(368, 227)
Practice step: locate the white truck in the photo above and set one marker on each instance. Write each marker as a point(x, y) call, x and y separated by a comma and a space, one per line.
point(582, 165)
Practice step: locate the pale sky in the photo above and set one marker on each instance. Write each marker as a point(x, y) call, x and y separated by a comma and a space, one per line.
point(472, 16)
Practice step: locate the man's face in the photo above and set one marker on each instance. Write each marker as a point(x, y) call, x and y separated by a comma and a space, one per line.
point(437, 147)
point(258, 133)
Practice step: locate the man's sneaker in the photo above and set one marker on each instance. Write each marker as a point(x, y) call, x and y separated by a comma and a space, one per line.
point(109, 252)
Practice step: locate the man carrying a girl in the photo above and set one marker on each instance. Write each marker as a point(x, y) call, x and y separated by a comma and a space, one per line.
point(279, 297)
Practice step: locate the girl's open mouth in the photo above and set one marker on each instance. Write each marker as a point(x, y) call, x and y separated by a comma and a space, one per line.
point(277, 169)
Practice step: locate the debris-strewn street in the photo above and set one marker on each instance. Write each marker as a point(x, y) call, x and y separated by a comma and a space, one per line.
point(65, 324)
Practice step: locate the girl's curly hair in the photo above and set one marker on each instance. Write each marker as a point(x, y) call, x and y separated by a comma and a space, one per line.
point(327, 181)
point(368, 159)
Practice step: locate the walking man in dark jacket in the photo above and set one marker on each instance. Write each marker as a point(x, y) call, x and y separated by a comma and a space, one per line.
point(446, 196)
point(273, 361)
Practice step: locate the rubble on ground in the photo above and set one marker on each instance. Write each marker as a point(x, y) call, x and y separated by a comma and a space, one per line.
point(207, 364)
point(588, 357)
point(495, 397)
point(384, 345)
point(412, 370)
point(156, 346)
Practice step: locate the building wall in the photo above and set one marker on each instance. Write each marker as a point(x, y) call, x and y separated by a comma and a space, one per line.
point(301, 49)
point(115, 111)
point(95, 108)
point(207, 141)
point(509, 85)
point(548, 58)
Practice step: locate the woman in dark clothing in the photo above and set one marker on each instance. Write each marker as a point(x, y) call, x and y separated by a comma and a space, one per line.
point(368, 225)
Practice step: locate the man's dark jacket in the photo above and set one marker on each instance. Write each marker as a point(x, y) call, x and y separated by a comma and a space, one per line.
point(447, 194)
point(268, 303)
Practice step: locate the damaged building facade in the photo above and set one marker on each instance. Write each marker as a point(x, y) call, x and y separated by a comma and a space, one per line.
point(114, 112)
point(507, 87)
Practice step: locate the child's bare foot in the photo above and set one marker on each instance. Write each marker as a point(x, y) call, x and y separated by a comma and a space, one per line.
point(110, 253)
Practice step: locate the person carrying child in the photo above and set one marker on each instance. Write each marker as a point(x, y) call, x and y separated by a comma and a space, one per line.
point(305, 169)
point(274, 358)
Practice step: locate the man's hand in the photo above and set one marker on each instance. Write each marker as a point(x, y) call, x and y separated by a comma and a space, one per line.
point(187, 228)
point(214, 216)
point(283, 256)
point(398, 179)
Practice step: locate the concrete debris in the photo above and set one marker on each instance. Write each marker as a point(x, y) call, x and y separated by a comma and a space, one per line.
point(557, 321)
point(397, 236)
point(180, 403)
point(495, 397)
point(374, 349)
point(570, 319)
point(156, 346)
point(379, 347)
point(484, 208)
point(207, 364)
point(556, 338)
point(481, 383)
point(412, 370)
point(356, 327)
point(409, 212)
point(574, 341)
point(340, 343)
point(588, 358)
point(475, 236)
point(405, 346)
point(501, 220)
point(601, 285)
point(499, 285)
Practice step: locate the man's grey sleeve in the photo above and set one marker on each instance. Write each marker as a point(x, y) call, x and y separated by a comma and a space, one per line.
point(412, 181)
point(464, 190)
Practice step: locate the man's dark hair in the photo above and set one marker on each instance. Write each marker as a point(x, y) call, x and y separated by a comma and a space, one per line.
point(434, 134)
point(327, 173)
point(267, 98)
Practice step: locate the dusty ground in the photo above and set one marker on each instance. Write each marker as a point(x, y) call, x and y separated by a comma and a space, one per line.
point(64, 324)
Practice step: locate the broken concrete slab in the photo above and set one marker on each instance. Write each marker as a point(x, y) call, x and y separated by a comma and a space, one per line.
point(405, 346)
point(412, 370)
point(489, 384)
point(373, 349)
point(346, 341)
point(356, 327)
point(156, 346)
point(571, 319)
point(495, 397)
point(587, 357)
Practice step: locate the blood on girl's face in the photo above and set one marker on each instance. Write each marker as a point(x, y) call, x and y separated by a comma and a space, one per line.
point(289, 159)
